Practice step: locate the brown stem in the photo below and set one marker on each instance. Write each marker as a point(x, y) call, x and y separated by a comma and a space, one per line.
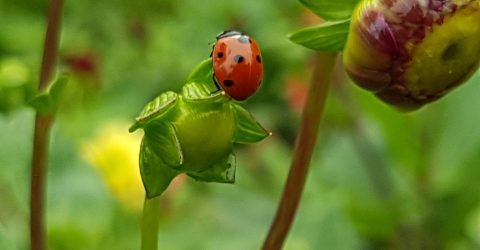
point(39, 162)
point(311, 116)
point(43, 124)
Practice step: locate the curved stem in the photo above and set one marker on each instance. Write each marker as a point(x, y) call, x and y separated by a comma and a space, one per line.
point(42, 130)
point(150, 221)
point(311, 116)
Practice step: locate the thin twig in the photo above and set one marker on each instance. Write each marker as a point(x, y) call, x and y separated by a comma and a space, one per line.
point(150, 222)
point(43, 124)
point(311, 116)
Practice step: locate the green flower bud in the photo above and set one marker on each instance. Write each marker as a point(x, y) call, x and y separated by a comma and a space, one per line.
point(193, 132)
point(413, 52)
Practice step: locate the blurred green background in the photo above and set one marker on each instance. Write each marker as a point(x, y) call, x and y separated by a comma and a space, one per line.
point(379, 179)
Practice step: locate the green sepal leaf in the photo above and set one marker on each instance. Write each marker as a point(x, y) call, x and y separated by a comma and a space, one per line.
point(42, 103)
point(200, 82)
point(331, 10)
point(193, 93)
point(247, 130)
point(155, 109)
point(223, 171)
point(202, 73)
point(329, 36)
point(49, 100)
point(156, 175)
point(162, 139)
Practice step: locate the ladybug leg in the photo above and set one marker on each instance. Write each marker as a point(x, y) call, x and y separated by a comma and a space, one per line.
point(216, 84)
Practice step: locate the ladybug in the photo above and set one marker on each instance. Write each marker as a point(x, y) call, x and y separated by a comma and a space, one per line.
point(237, 64)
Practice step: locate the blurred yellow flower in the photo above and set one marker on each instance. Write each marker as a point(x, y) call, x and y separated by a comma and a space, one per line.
point(114, 153)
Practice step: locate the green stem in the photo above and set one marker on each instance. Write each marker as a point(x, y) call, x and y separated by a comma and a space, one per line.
point(42, 129)
point(311, 116)
point(150, 221)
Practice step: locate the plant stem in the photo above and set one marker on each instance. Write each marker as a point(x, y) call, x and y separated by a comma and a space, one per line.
point(150, 221)
point(311, 116)
point(43, 124)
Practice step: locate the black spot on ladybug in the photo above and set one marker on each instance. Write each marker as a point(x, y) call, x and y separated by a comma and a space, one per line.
point(220, 54)
point(238, 59)
point(259, 59)
point(228, 83)
point(243, 39)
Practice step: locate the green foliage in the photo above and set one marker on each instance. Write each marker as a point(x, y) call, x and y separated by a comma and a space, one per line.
point(222, 172)
point(328, 36)
point(200, 85)
point(331, 35)
point(248, 130)
point(193, 133)
point(155, 109)
point(50, 100)
point(331, 10)
point(156, 174)
point(202, 74)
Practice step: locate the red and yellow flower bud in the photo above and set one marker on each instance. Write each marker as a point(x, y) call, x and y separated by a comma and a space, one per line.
point(412, 52)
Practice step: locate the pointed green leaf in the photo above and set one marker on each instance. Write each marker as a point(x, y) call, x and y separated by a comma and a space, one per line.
point(223, 171)
point(329, 36)
point(331, 10)
point(156, 175)
point(155, 109)
point(57, 88)
point(202, 72)
point(42, 103)
point(247, 130)
point(162, 139)
point(49, 100)
point(200, 82)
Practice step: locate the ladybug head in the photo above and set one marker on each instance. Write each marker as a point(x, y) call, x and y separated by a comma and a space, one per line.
point(228, 33)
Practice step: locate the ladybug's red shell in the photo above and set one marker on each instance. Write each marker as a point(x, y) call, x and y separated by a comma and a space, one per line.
point(237, 64)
